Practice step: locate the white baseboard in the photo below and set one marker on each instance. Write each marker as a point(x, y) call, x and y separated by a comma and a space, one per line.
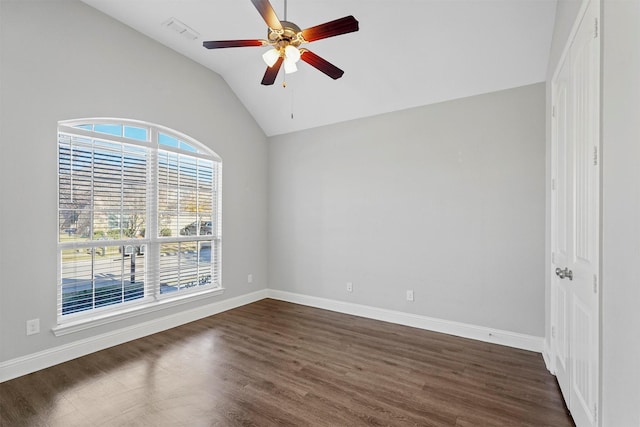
point(33, 362)
point(480, 333)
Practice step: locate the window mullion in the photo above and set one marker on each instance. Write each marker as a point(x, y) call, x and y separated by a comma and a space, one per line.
point(93, 277)
point(122, 193)
point(71, 174)
point(92, 210)
point(93, 194)
point(152, 233)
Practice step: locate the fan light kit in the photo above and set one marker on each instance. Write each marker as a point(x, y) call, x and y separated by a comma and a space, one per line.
point(285, 39)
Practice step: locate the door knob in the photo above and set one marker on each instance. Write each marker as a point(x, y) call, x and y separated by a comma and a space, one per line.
point(562, 273)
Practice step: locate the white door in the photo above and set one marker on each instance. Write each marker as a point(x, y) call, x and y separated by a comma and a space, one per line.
point(561, 201)
point(576, 225)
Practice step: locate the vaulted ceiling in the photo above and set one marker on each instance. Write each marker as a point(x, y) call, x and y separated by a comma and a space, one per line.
point(407, 53)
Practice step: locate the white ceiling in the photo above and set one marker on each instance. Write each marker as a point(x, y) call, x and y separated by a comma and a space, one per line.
point(408, 53)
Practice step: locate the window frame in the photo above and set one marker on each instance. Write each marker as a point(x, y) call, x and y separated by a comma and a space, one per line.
point(153, 298)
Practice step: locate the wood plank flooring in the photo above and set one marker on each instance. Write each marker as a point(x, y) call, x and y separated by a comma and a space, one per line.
point(275, 363)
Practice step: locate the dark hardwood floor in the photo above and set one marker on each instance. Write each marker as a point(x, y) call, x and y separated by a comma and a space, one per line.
point(275, 363)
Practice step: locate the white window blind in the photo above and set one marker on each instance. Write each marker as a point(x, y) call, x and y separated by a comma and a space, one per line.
point(138, 216)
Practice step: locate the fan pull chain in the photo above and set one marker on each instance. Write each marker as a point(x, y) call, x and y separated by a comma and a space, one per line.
point(291, 104)
point(285, 10)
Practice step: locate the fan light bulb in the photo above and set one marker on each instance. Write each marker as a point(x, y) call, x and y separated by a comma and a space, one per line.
point(270, 57)
point(290, 66)
point(292, 53)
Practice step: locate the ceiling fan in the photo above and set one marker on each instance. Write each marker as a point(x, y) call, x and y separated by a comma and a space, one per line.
point(285, 37)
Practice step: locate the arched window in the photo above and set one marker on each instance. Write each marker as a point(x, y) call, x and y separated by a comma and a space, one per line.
point(138, 217)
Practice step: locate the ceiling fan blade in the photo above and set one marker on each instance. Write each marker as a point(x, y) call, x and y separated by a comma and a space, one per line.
point(272, 72)
point(267, 13)
point(220, 44)
point(348, 24)
point(321, 64)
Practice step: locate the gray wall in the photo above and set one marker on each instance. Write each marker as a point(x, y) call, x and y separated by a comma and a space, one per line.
point(63, 60)
point(447, 200)
point(621, 213)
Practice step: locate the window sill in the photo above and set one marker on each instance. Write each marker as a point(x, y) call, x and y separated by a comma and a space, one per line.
point(138, 310)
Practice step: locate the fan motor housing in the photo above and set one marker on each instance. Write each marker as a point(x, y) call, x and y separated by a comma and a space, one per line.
point(289, 35)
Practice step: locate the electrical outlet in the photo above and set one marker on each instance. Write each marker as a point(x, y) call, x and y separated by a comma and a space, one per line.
point(349, 287)
point(410, 295)
point(250, 278)
point(33, 326)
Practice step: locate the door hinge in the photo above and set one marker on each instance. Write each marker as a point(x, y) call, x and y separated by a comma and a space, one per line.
point(595, 414)
point(553, 257)
point(553, 184)
point(595, 284)
point(595, 156)
point(595, 35)
point(553, 111)
point(553, 332)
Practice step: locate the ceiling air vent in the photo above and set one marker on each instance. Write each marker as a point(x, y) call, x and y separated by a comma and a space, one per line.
point(181, 28)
